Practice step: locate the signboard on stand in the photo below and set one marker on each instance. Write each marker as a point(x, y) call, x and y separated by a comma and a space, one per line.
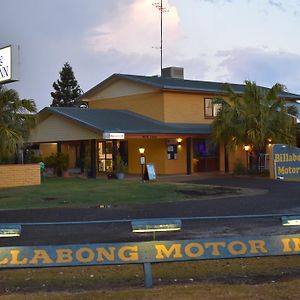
point(150, 172)
point(9, 64)
point(286, 161)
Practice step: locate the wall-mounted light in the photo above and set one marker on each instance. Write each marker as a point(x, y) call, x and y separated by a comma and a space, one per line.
point(141, 150)
point(179, 141)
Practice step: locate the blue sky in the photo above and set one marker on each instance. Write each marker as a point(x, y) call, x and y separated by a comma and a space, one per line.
point(216, 40)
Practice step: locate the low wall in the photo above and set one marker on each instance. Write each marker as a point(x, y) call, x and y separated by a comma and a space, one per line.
point(19, 175)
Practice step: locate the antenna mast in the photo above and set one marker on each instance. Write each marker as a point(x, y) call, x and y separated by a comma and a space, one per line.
point(162, 10)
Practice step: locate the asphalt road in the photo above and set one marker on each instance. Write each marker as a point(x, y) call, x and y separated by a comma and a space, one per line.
point(112, 224)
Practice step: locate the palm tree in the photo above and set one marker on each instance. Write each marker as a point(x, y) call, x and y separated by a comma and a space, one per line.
point(254, 118)
point(16, 118)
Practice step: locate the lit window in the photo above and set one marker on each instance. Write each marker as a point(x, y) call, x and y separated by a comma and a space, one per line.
point(210, 109)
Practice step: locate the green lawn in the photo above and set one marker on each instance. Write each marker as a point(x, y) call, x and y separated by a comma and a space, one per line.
point(267, 278)
point(80, 192)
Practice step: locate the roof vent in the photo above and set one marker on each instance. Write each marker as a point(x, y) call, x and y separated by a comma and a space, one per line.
point(173, 72)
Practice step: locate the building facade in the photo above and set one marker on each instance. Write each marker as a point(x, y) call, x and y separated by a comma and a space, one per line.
point(168, 116)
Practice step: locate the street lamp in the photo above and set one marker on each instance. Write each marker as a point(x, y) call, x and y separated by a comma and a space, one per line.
point(247, 149)
point(142, 161)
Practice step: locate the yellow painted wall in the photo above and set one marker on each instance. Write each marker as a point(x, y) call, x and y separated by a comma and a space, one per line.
point(55, 128)
point(185, 108)
point(235, 157)
point(150, 104)
point(46, 149)
point(19, 175)
point(156, 153)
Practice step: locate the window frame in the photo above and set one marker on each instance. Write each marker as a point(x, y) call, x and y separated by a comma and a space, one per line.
point(212, 109)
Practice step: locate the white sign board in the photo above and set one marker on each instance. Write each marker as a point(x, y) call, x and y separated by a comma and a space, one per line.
point(9, 64)
point(113, 136)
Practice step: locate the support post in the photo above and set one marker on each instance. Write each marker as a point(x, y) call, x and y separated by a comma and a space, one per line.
point(148, 275)
point(93, 159)
point(115, 154)
point(188, 156)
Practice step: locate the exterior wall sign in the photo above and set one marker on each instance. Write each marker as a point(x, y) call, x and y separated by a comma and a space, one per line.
point(113, 136)
point(286, 161)
point(148, 252)
point(9, 63)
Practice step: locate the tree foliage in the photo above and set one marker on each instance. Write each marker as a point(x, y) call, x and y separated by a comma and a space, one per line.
point(66, 89)
point(254, 118)
point(17, 116)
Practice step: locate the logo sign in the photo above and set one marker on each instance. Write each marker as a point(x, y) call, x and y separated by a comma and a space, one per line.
point(9, 63)
point(286, 161)
point(148, 252)
point(113, 136)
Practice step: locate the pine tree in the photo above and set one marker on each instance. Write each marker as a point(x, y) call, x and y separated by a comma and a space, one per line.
point(67, 89)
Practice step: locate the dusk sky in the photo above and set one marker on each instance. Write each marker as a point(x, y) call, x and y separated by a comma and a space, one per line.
point(215, 40)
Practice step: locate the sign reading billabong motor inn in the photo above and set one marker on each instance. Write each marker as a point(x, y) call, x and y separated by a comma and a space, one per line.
point(148, 252)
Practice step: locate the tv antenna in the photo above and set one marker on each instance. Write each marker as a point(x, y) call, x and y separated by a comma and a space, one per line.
point(162, 10)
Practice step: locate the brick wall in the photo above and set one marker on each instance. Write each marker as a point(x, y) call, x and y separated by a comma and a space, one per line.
point(19, 175)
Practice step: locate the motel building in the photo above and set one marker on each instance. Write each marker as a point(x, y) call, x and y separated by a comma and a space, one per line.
point(168, 116)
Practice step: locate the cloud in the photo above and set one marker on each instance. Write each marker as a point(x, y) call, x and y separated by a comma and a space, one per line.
point(135, 28)
point(261, 65)
point(217, 1)
point(277, 4)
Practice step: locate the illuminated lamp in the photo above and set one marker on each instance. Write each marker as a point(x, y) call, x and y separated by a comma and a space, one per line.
point(10, 230)
point(290, 221)
point(155, 225)
point(247, 148)
point(179, 141)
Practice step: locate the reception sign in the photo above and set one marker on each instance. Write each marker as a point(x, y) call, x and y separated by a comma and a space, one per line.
point(286, 161)
point(148, 252)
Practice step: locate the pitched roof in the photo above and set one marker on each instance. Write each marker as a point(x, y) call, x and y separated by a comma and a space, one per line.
point(184, 85)
point(109, 120)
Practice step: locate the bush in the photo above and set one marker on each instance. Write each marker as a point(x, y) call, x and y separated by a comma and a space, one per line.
point(239, 168)
point(59, 162)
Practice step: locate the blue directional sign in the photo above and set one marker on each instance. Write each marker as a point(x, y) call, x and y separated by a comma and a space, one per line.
point(286, 161)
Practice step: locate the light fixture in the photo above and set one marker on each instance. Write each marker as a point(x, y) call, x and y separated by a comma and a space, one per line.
point(247, 148)
point(155, 225)
point(142, 150)
point(290, 221)
point(179, 140)
point(10, 230)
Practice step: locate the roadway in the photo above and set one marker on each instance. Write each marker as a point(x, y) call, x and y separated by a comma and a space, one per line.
point(201, 218)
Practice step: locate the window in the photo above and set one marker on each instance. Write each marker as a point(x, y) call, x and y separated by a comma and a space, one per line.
point(210, 109)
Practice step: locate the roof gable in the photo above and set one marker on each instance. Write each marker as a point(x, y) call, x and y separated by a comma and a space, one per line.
point(174, 84)
point(117, 86)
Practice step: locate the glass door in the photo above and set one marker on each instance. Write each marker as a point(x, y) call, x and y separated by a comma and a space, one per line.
point(105, 155)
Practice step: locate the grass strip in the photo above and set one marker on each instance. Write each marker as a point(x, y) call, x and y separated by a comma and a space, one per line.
point(79, 192)
point(268, 278)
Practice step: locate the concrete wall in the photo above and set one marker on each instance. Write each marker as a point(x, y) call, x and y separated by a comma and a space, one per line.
point(19, 175)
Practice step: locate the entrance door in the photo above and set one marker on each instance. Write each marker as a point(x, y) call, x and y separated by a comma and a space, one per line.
point(105, 156)
point(206, 156)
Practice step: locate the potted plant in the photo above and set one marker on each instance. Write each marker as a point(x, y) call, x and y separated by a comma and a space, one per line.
point(121, 167)
point(62, 164)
